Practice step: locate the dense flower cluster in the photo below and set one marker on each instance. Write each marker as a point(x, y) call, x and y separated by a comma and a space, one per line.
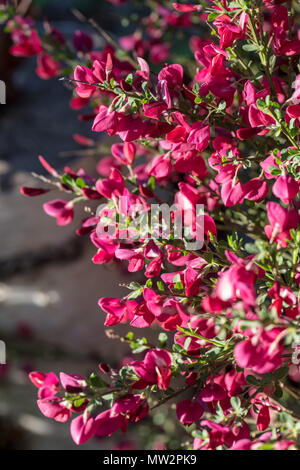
point(223, 132)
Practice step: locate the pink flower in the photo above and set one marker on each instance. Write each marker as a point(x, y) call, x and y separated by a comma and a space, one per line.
point(212, 392)
point(124, 153)
point(160, 167)
point(82, 41)
point(82, 428)
point(228, 31)
point(47, 67)
point(72, 383)
point(260, 353)
point(200, 136)
point(111, 187)
point(281, 221)
point(285, 188)
point(32, 192)
point(232, 193)
point(256, 189)
point(263, 419)
point(54, 408)
point(26, 45)
point(48, 384)
point(155, 369)
point(61, 210)
point(189, 411)
point(173, 74)
point(117, 310)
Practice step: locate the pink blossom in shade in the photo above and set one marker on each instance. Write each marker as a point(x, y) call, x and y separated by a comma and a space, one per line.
point(82, 428)
point(212, 392)
point(248, 132)
point(54, 407)
point(154, 369)
point(260, 353)
point(173, 74)
point(72, 383)
point(189, 411)
point(118, 311)
point(159, 52)
point(232, 193)
point(289, 48)
point(32, 192)
point(256, 190)
point(281, 222)
point(61, 210)
point(228, 31)
point(234, 382)
point(91, 194)
point(82, 41)
point(285, 188)
point(218, 434)
point(263, 419)
point(154, 110)
point(47, 67)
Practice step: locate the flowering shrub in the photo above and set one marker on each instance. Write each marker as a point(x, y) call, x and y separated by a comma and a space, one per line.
point(221, 132)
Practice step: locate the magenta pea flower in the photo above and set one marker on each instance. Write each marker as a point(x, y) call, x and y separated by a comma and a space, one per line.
point(189, 411)
point(82, 428)
point(154, 369)
point(62, 210)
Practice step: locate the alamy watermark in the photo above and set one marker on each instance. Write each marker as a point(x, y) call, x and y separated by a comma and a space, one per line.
point(2, 92)
point(2, 352)
point(133, 222)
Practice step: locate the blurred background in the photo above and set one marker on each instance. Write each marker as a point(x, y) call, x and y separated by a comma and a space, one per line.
point(49, 288)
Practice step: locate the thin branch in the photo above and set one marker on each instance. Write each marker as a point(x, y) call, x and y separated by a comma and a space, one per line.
point(83, 19)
